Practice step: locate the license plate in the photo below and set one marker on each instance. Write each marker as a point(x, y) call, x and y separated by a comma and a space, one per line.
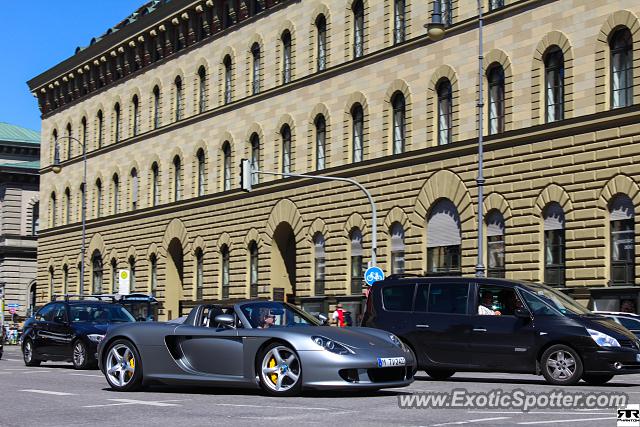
point(638, 357)
point(389, 362)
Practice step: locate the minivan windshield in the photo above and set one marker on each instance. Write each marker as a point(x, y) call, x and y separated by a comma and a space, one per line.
point(556, 299)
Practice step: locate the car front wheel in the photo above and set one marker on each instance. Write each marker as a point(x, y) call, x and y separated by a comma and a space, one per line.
point(280, 370)
point(123, 367)
point(596, 379)
point(561, 365)
point(27, 354)
point(81, 359)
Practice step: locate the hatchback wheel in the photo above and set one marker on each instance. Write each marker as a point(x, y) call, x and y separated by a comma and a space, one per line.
point(596, 379)
point(280, 370)
point(561, 365)
point(27, 354)
point(123, 367)
point(440, 374)
point(81, 358)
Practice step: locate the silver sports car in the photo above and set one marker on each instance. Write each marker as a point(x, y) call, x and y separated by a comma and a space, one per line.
point(253, 344)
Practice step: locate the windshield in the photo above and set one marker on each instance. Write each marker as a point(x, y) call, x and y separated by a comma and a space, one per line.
point(100, 313)
point(555, 299)
point(271, 314)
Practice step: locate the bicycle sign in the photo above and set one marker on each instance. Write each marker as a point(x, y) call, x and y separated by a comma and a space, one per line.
point(372, 275)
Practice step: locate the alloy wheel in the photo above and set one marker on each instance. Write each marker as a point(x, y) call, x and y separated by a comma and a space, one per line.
point(27, 352)
point(79, 354)
point(280, 369)
point(121, 365)
point(561, 365)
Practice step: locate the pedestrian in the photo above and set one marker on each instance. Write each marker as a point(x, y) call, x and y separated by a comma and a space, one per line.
point(338, 316)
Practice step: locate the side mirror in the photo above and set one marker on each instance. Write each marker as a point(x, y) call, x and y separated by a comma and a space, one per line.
point(522, 313)
point(225, 319)
point(324, 319)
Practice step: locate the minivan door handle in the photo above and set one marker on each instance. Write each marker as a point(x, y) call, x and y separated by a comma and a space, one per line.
point(479, 330)
point(422, 326)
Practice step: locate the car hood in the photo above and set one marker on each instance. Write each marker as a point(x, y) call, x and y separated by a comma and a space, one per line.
point(607, 326)
point(92, 328)
point(354, 337)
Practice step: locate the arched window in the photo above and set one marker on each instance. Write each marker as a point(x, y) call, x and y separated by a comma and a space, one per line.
point(357, 266)
point(226, 282)
point(202, 89)
point(177, 179)
point(67, 205)
point(155, 184)
point(228, 79)
point(399, 122)
point(622, 226)
point(399, 20)
point(178, 87)
point(357, 133)
point(116, 193)
point(495, 76)
point(495, 4)
point(135, 113)
point(54, 209)
point(445, 111)
point(255, 156)
point(397, 248)
point(156, 107)
point(321, 42)
point(286, 57)
point(98, 198)
point(116, 121)
point(199, 274)
point(443, 238)
point(554, 84)
point(255, 7)
point(35, 219)
point(100, 132)
point(319, 264)
point(255, 76)
point(132, 273)
point(65, 279)
point(202, 177)
point(253, 269)
point(321, 141)
point(358, 28)
point(226, 178)
point(285, 133)
point(554, 245)
point(621, 46)
point(135, 185)
point(153, 273)
point(96, 263)
point(83, 136)
point(495, 244)
point(51, 282)
point(69, 141)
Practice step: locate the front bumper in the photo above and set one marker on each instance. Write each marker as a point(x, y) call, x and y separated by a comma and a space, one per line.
point(615, 361)
point(325, 370)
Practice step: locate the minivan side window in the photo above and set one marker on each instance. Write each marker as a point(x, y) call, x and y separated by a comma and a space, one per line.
point(421, 297)
point(537, 306)
point(398, 298)
point(46, 313)
point(448, 298)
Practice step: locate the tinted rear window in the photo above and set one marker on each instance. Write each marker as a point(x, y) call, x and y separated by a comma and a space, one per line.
point(398, 298)
point(448, 298)
point(629, 323)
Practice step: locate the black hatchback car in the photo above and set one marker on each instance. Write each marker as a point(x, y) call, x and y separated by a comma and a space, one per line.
point(69, 331)
point(496, 325)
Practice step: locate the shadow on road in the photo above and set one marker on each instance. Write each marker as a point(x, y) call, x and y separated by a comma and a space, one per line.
point(519, 381)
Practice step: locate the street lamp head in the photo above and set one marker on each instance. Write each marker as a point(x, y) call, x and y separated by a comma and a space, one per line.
point(435, 28)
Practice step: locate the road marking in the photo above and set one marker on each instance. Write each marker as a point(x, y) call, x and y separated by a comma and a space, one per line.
point(88, 375)
point(305, 408)
point(33, 372)
point(55, 393)
point(477, 420)
point(573, 420)
point(121, 402)
point(13, 360)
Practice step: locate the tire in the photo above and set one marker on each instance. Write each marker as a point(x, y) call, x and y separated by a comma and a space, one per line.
point(81, 359)
point(596, 379)
point(27, 354)
point(561, 365)
point(440, 374)
point(415, 357)
point(123, 366)
point(279, 370)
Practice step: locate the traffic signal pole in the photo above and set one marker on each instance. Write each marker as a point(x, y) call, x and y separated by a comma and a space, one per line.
point(247, 171)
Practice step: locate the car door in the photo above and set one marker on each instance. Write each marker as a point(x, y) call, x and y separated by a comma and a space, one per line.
point(60, 332)
point(211, 349)
point(501, 341)
point(394, 314)
point(42, 344)
point(441, 325)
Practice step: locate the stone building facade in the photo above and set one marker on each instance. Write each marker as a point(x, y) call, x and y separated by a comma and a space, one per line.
point(19, 217)
point(172, 98)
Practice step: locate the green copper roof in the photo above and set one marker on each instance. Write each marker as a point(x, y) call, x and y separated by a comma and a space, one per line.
point(22, 165)
point(13, 133)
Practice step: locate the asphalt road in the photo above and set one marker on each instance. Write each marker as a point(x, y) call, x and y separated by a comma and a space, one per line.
point(54, 394)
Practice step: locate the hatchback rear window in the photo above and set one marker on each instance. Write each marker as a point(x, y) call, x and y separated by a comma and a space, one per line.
point(398, 298)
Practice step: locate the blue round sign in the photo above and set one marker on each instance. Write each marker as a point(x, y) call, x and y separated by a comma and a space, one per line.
point(372, 275)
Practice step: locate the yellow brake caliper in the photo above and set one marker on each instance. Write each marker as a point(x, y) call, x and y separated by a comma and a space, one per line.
point(132, 363)
point(272, 363)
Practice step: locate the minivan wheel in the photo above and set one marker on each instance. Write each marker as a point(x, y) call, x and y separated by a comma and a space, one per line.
point(561, 365)
point(596, 379)
point(440, 374)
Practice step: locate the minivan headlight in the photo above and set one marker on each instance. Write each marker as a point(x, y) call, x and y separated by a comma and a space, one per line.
point(331, 345)
point(602, 339)
point(96, 338)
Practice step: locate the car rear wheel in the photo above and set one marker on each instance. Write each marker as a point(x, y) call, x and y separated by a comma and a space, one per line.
point(123, 367)
point(280, 370)
point(27, 354)
point(561, 365)
point(596, 379)
point(81, 359)
point(440, 374)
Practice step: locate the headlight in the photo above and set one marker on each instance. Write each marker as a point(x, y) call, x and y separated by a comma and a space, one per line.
point(332, 346)
point(394, 339)
point(96, 338)
point(603, 340)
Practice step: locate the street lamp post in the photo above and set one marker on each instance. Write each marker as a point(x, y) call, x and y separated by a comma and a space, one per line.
point(56, 168)
point(435, 30)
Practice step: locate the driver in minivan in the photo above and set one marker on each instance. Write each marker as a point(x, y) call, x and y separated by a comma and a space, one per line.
point(486, 304)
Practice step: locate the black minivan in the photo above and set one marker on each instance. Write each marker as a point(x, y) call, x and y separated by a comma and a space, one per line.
point(496, 325)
